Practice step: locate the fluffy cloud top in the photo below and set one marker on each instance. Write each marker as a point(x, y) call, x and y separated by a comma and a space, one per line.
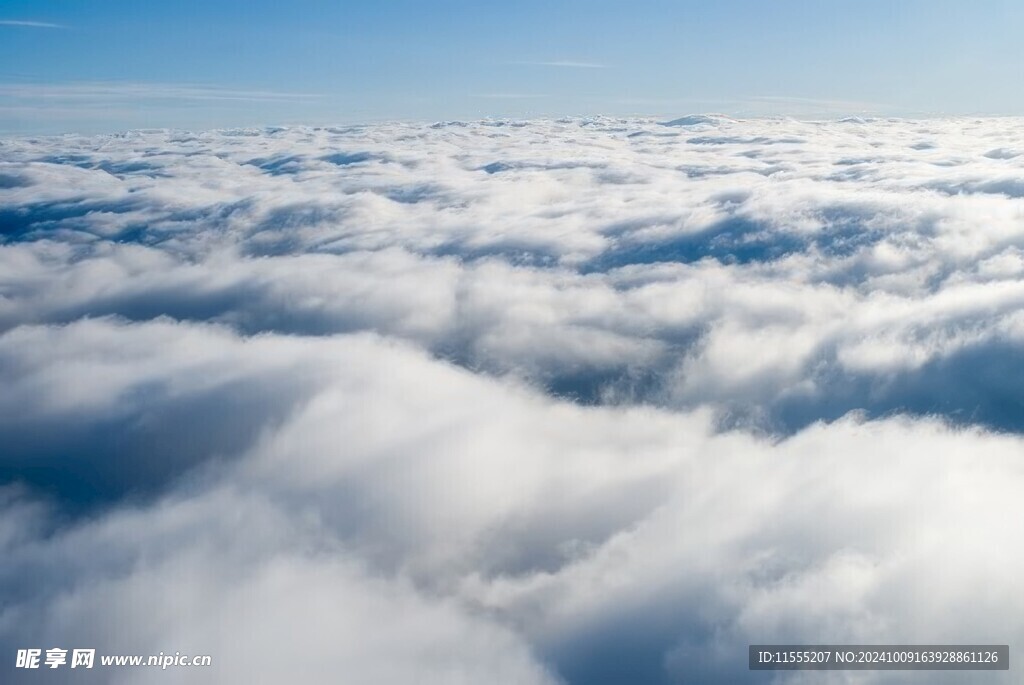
point(580, 401)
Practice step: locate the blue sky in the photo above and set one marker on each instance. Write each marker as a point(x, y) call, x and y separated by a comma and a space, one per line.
point(78, 65)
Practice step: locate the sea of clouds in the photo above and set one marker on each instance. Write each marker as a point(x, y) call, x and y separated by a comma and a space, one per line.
point(580, 401)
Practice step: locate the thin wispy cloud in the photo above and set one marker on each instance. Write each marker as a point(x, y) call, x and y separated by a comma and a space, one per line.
point(509, 96)
point(816, 104)
point(566, 64)
point(31, 24)
point(142, 91)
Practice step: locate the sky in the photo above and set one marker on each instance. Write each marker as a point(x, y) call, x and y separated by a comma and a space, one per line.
point(81, 66)
point(448, 387)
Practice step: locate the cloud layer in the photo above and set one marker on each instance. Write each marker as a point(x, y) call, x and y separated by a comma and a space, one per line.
point(580, 401)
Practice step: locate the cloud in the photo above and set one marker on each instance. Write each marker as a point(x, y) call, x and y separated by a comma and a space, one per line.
point(808, 106)
point(509, 96)
point(579, 400)
point(31, 24)
point(567, 64)
point(421, 497)
point(145, 91)
point(605, 224)
point(271, 606)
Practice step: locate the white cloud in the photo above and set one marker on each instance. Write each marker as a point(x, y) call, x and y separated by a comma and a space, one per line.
point(586, 400)
point(434, 505)
point(31, 24)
